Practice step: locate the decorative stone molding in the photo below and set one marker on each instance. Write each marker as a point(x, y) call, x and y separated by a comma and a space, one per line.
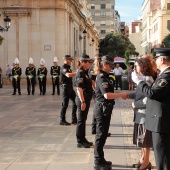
point(16, 10)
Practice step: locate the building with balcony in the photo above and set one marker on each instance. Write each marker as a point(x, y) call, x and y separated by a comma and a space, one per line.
point(44, 29)
point(124, 29)
point(103, 15)
point(155, 23)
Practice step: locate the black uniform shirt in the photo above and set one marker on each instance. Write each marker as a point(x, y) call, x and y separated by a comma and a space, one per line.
point(30, 71)
point(16, 71)
point(92, 76)
point(103, 85)
point(55, 71)
point(42, 72)
point(83, 81)
point(64, 79)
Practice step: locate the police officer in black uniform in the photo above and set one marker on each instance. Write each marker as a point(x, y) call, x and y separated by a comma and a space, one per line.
point(16, 77)
point(55, 74)
point(92, 76)
point(103, 109)
point(42, 74)
point(68, 91)
point(83, 98)
point(158, 108)
point(30, 73)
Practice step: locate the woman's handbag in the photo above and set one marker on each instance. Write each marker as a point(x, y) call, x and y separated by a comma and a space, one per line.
point(141, 135)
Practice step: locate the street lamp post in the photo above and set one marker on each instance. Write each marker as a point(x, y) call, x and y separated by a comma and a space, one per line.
point(84, 37)
point(7, 21)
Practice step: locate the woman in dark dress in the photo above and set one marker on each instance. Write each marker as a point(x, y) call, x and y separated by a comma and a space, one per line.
point(141, 136)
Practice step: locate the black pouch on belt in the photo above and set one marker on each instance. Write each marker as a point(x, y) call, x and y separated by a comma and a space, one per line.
point(107, 108)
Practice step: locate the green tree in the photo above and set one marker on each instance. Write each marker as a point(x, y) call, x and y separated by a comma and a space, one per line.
point(116, 44)
point(166, 41)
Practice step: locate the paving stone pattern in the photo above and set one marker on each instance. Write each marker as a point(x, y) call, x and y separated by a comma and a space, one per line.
point(32, 139)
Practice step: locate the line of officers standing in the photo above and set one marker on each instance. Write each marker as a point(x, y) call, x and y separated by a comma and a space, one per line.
point(30, 73)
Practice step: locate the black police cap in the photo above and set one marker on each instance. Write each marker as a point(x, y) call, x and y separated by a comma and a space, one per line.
point(108, 59)
point(68, 57)
point(85, 58)
point(161, 52)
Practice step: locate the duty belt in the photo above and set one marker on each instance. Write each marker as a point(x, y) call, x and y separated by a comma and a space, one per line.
point(69, 85)
point(106, 103)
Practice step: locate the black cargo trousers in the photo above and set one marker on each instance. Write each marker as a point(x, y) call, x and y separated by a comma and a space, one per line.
point(68, 93)
point(82, 117)
point(102, 113)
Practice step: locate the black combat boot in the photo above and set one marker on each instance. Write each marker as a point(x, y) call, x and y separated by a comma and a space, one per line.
point(90, 143)
point(83, 145)
point(64, 122)
point(102, 164)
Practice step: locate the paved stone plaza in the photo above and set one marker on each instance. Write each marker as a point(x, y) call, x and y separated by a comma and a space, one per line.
point(32, 139)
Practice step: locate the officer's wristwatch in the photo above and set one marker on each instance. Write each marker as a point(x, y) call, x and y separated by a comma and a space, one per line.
point(83, 102)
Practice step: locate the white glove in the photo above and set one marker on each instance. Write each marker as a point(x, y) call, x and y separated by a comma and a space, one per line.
point(137, 78)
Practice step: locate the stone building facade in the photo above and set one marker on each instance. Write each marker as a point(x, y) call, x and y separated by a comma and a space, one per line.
point(155, 23)
point(103, 15)
point(45, 29)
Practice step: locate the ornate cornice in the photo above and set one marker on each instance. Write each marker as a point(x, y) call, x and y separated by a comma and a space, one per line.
point(17, 10)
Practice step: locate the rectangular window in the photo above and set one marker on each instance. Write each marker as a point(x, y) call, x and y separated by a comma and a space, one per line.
point(92, 14)
point(103, 14)
point(112, 6)
point(168, 6)
point(102, 31)
point(92, 7)
point(102, 6)
point(168, 25)
point(103, 23)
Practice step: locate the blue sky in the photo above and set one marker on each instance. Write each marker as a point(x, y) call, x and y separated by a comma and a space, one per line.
point(129, 10)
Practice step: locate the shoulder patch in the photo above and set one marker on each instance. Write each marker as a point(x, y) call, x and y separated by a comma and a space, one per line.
point(80, 80)
point(87, 77)
point(64, 70)
point(162, 83)
point(105, 85)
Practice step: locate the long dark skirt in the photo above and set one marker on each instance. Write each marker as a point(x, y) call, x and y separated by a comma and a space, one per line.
point(141, 136)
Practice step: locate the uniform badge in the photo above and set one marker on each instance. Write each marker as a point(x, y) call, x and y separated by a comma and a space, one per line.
point(80, 80)
point(162, 83)
point(64, 70)
point(105, 85)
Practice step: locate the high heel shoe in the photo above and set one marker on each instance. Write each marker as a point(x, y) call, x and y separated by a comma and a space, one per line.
point(149, 166)
point(136, 165)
